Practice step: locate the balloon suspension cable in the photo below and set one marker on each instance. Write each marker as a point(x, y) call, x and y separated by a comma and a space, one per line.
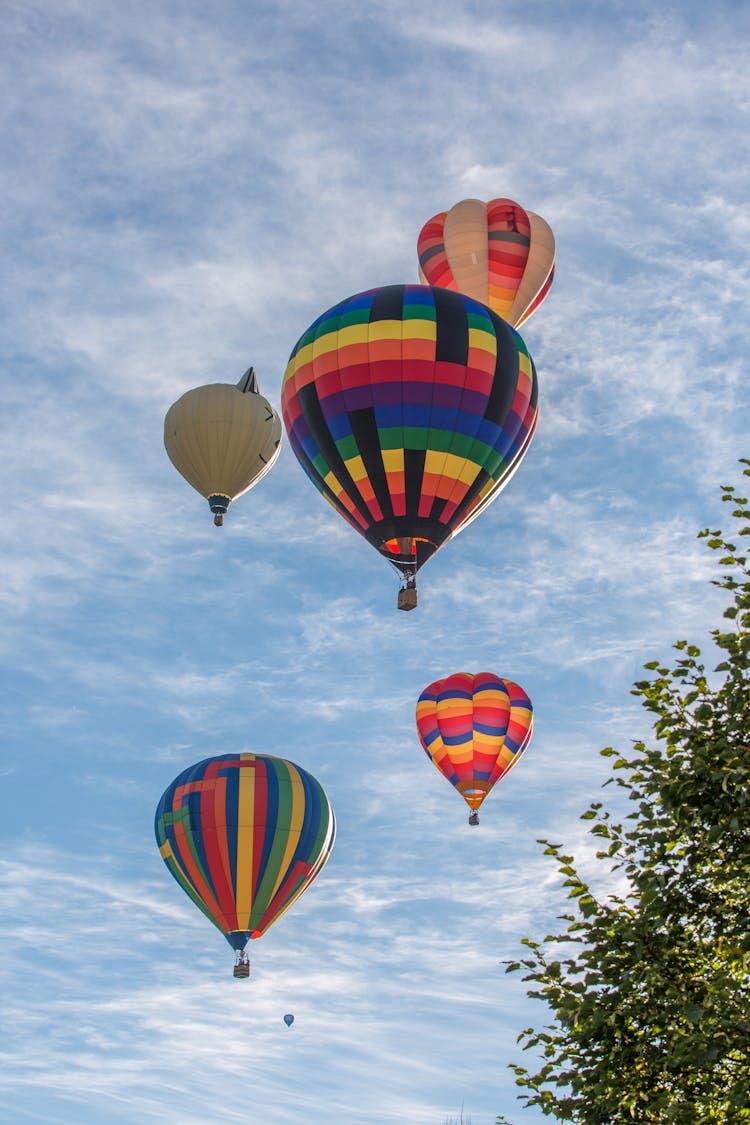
point(474, 817)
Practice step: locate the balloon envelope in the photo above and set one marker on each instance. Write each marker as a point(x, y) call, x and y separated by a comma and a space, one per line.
point(289, 1019)
point(222, 439)
point(495, 252)
point(244, 835)
point(409, 407)
point(474, 729)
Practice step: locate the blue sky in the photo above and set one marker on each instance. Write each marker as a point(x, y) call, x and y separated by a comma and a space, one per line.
point(185, 189)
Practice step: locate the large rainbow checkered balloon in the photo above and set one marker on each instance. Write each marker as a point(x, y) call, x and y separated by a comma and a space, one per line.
point(409, 407)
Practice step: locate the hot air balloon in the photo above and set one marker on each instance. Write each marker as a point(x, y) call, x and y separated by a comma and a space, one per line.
point(244, 835)
point(289, 1019)
point(223, 439)
point(409, 407)
point(474, 728)
point(496, 252)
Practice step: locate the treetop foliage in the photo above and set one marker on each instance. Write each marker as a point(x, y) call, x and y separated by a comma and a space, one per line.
point(650, 991)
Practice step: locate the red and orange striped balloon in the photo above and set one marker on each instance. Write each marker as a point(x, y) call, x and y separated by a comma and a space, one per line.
point(495, 252)
point(474, 728)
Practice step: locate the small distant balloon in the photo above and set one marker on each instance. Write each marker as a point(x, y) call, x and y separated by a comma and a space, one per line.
point(223, 439)
point(289, 1019)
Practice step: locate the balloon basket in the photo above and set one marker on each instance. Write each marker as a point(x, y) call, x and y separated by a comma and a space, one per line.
point(407, 598)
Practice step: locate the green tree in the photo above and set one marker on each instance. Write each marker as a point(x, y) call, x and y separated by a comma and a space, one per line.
point(649, 990)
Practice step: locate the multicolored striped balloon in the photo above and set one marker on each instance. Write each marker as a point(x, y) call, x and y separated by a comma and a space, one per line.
point(474, 728)
point(495, 252)
point(244, 835)
point(409, 407)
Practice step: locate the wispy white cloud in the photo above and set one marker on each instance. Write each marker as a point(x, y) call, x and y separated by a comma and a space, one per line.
point(188, 193)
point(108, 1038)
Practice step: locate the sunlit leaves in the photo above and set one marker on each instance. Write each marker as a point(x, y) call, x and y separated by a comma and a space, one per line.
point(649, 993)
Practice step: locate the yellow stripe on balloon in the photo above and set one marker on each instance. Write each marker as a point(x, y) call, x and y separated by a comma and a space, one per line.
point(356, 468)
point(393, 460)
point(460, 469)
point(490, 697)
point(486, 341)
point(485, 742)
point(384, 329)
point(295, 829)
point(350, 334)
point(419, 330)
point(434, 461)
point(301, 359)
point(524, 364)
point(245, 809)
point(322, 345)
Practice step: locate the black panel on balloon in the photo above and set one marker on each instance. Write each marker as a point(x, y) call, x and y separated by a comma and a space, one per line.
point(504, 386)
point(365, 431)
point(452, 328)
point(388, 303)
point(313, 415)
point(413, 472)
